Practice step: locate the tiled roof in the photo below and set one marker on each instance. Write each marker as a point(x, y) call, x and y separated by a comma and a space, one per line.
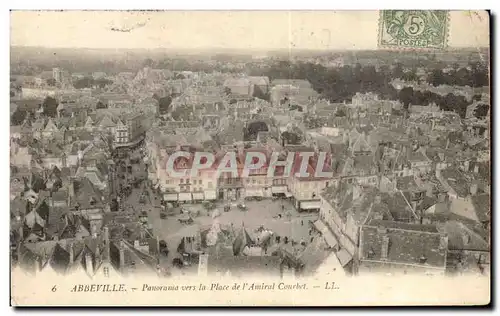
point(407, 244)
point(462, 238)
point(314, 255)
point(85, 193)
point(399, 206)
point(482, 206)
point(236, 82)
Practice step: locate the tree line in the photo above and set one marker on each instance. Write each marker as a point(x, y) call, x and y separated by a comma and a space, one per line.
point(89, 82)
point(341, 84)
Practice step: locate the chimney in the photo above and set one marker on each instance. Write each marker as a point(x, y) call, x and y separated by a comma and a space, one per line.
point(355, 192)
point(473, 189)
point(88, 264)
point(385, 247)
point(106, 235)
point(97, 251)
point(122, 255)
point(71, 252)
point(38, 265)
point(465, 239)
point(203, 265)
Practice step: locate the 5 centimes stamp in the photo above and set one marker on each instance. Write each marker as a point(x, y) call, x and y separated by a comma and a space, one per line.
point(420, 29)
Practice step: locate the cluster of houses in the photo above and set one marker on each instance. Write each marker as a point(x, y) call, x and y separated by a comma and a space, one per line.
point(406, 192)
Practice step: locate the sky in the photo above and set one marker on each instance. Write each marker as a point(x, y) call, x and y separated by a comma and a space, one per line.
point(317, 30)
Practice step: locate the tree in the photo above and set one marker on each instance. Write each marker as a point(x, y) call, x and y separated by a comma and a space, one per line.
point(85, 82)
point(410, 75)
point(340, 112)
point(397, 71)
point(51, 82)
point(481, 110)
point(50, 107)
point(258, 93)
point(17, 117)
point(406, 96)
point(101, 105)
point(148, 62)
point(164, 104)
point(436, 77)
point(102, 82)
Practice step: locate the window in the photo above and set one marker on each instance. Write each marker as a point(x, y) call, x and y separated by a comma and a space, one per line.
point(106, 272)
point(182, 180)
point(199, 182)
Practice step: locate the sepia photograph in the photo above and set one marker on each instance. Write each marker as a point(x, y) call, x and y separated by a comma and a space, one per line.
point(264, 158)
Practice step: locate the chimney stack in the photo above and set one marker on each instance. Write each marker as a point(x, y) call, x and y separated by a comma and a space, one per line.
point(88, 264)
point(385, 247)
point(473, 189)
point(106, 235)
point(71, 253)
point(38, 265)
point(122, 255)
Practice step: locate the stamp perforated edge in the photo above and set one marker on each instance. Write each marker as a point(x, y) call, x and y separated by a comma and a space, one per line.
point(380, 46)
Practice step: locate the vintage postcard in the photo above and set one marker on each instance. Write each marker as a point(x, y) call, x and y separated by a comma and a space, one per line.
point(250, 158)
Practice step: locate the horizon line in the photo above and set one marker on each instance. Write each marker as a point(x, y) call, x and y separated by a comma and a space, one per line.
point(250, 49)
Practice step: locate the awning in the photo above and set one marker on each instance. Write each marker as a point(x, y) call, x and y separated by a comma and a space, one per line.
point(344, 257)
point(198, 196)
point(310, 205)
point(288, 194)
point(185, 197)
point(210, 195)
point(254, 192)
point(170, 197)
point(320, 226)
point(279, 189)
point(326, 233)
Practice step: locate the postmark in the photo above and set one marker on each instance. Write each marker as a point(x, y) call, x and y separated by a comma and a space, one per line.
point(413, 29)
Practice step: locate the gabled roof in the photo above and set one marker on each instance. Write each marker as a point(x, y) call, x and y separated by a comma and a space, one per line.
point(460, 237)
point(107, 122)
point(236, 82)
point(86, 195)
point(241, 241)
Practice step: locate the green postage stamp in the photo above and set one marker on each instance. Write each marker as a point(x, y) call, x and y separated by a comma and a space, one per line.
point(420, 29)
